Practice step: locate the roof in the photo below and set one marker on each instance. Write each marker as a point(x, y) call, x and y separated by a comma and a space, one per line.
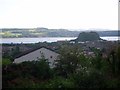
point(32, 50)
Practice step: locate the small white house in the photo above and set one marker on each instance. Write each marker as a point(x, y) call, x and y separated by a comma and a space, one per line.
point(35, 55)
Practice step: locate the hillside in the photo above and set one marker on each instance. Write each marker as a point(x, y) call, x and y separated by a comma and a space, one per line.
point(88, 36)
point(45, 32)
point(37, 32)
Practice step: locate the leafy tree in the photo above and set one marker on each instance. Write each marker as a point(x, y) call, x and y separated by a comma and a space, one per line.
point(114, 60)
point(6, 61)
point(68, 60)
point(93, 79)
point(35, 70)
point(42, 69)
point(60, 82)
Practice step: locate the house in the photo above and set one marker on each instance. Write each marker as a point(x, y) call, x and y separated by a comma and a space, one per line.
point(81, 42)
point(72, 42)
point(38, 53)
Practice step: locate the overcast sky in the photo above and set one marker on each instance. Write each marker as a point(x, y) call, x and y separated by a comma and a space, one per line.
point(68, 14)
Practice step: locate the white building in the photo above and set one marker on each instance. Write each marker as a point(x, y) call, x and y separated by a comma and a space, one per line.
point(36, 54)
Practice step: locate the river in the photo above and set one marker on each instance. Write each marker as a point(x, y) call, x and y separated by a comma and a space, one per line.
point(47, 39)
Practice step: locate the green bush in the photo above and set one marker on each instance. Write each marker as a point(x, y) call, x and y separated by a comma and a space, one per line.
point(93, 79)
point(6, 61)
point(60, 82)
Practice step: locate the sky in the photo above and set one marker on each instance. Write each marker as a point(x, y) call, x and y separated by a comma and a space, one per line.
point(67, 14)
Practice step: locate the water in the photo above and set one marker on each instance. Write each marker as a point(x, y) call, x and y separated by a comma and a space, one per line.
point(35, 40)
point(111, 38)
point(47, 39)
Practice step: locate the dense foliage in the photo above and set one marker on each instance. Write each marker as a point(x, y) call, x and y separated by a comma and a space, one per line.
point(73, 70)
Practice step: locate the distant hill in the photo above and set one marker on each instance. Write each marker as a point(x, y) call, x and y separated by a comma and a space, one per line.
point(37, 32)
point(88, 36)
point(109, 33)
point(45, 32)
